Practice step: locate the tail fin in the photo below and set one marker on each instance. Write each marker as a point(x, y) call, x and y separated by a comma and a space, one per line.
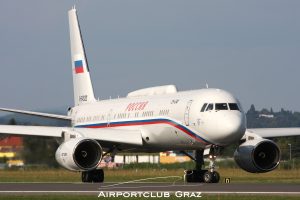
point(83, 89)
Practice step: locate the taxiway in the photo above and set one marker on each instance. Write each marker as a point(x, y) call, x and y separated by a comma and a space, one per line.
point(94, 188)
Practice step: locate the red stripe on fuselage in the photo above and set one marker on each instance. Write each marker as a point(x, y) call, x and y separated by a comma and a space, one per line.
point(108, 125)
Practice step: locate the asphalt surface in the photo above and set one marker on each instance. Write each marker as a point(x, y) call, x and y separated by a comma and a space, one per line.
point(94, 188)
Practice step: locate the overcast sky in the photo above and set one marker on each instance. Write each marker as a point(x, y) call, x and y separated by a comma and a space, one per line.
point(250, 48)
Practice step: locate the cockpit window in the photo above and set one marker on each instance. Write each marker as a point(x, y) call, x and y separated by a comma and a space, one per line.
point(203, 107)
point(221, 106)
point(233, 106)
point(210, 107)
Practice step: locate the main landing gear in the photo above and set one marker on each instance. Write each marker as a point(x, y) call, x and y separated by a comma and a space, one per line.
point(95, 176)
point(200, 175)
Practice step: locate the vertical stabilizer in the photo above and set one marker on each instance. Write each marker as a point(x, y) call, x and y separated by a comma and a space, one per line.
point(83, 88)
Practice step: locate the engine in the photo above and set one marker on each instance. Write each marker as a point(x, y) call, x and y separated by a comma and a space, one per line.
point(79, 154)
point(257, 156)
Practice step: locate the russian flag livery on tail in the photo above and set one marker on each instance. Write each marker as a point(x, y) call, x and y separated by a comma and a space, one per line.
point(149, 120)
point(83, 89)
point(78, 67)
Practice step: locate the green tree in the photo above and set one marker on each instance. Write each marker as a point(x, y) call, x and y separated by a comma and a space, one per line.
point(40, 151)
point(3, 159)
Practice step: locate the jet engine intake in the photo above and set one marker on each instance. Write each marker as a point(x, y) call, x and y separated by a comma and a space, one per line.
point(79, 154)
point(258, 155)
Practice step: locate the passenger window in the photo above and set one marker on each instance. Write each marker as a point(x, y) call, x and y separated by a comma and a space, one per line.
point(210, 107)
point(221, 106)
point(233, 106)
point(203, 107)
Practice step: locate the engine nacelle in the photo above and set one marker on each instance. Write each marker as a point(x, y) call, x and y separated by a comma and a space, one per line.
point(79, 154)
point(257, 156)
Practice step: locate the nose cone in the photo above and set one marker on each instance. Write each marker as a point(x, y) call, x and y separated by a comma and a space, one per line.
point(227, 128)
point(234, 127)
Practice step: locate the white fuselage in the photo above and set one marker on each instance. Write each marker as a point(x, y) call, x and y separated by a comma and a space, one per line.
point(168, 121)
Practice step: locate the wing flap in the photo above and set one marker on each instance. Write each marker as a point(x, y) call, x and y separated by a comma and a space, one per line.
point(275, 132)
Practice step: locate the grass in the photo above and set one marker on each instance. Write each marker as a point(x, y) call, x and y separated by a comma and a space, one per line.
point(134, 172)
point(281, 175)
point(204, 197)
point(119, 175)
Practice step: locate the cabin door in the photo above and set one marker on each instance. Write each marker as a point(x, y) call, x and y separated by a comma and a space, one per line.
point(187, 113)
point(109, 117)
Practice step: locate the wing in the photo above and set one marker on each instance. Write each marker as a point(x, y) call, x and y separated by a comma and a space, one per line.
point(112, 135)
point(48, 115)
point(274, 132)
point(119, 136)
point(32, 130)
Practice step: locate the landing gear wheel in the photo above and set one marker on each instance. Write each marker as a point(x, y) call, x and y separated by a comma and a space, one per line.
point(96, 176)
point(208, 177)
point(216, 177)
point(188, 176)
point(86, 177)
point(194, 176)
point(211, 177)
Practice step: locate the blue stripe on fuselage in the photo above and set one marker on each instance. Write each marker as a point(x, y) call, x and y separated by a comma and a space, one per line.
point(146, 122)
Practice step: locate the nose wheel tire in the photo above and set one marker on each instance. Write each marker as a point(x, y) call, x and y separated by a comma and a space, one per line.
point(201, 176)
point(211, 177)
point(216, 177)
point(208, 177)
point(93, 176)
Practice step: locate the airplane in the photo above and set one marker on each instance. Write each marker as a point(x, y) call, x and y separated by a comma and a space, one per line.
point(153, 119)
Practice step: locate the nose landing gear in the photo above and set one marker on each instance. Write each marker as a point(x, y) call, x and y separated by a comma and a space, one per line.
point(211, 176)
point(200, 175)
